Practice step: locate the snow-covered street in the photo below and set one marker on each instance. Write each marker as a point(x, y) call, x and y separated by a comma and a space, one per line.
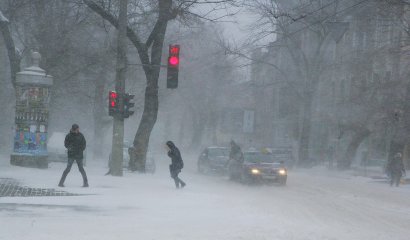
point(314, 205)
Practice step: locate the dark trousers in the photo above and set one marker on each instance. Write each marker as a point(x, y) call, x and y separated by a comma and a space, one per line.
point(68, 168)
point(174, 175)
point(395, 178)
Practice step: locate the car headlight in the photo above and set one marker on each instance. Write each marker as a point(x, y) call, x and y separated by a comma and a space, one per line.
point(255, 171)
point(282, 172)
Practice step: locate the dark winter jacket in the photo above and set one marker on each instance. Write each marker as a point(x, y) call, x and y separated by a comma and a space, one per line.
point(175, 155)
point(75, 144)
point(396, 165)
point(235, 153)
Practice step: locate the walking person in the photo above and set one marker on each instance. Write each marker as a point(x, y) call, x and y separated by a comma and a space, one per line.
point(396, 169)
point(75, 144)
point(235, 152)
point(176, 165)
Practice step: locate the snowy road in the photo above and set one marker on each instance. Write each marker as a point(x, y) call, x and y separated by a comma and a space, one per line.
point(315, 205)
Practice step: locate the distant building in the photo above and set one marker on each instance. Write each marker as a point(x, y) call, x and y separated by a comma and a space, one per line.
point(360, 53)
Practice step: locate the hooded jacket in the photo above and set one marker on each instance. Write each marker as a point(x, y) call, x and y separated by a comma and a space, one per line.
point(396, 165)
point(175, 156)
point(75, 144)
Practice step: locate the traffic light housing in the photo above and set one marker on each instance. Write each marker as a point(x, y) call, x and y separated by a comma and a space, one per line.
point(128, 105)
point(112, 103)
point(173, 66)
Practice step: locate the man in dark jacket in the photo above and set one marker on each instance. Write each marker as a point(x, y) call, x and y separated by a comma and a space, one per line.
point(75, 144)
point(396, 169)
point(176, 165)
point(236, 152)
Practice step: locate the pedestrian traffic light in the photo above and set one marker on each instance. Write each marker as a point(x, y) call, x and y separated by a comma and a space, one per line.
point(128, 105)
point(173, 66)
point(112, 103)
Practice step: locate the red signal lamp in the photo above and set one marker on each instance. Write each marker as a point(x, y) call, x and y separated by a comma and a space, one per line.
point(174, 50)
point(173, 60)
point(113, 98)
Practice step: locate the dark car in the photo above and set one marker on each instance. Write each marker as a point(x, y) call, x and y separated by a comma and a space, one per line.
point(213, 159)
point(282, 154)
point(258, 167)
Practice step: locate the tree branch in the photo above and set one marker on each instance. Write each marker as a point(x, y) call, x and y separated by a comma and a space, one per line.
point(132, 36)
point(154, 31)
point(11, 49)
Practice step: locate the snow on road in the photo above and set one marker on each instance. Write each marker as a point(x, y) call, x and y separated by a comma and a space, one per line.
point(315, 205)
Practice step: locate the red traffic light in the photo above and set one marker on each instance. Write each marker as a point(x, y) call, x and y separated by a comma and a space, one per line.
point(174, 50)
point(173, 60)
point(113, 98)
point(173, 66)
point(113, 95)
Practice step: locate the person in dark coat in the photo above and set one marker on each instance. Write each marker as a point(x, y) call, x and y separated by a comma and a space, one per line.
point(396, 169)
point(236, 152)
point(75, 144)
point(176, 164)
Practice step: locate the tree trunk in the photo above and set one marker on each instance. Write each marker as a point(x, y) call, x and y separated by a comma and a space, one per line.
point(305, 132)
point(11, 50)
point(98, 113)
point(350, 153)
point(199, 124)
point(150, 113)
point(148, 120)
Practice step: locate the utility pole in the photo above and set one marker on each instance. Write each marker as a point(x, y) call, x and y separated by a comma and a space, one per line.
point(121, 69)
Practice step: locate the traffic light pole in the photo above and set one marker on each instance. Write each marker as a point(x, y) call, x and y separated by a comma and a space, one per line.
point(121, 69)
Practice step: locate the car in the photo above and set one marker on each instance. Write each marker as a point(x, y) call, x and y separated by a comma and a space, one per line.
point(213, 159)
point(257, 167)
point(150, 166)
point(281, 154)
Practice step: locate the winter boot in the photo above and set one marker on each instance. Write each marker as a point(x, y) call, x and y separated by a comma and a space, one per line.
point(62, 180)
point(176, 182)
point(85, 182)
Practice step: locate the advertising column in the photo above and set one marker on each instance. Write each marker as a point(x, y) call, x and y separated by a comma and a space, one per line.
point(31, 119)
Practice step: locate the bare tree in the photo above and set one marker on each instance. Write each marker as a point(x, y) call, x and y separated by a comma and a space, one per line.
point(296, 24)
point(157, 14)
point(76, 50)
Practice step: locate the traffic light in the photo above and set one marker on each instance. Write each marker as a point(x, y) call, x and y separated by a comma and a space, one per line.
point(173, 66)
point(112, 103)
point(128, 105)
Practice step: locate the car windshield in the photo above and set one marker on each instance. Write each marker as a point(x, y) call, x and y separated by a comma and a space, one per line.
point(281, 155)
point(218, 152)
point(257, 157)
